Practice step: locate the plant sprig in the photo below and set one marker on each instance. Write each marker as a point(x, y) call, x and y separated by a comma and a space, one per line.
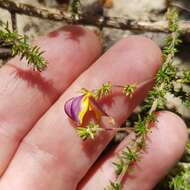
point(89, 131)
point(129, 89)
point(155, 101)
point(19, 46)
point(75, 7)
point(104, 90)
point(181, 180)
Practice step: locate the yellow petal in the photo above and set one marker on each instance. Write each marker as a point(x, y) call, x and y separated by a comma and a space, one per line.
point(84, 108)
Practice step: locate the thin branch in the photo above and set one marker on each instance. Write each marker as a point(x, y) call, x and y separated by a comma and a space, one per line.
point(123, 23)
point(180, 6)
point(37, 11)
point(5, 53)
point(19, 46)
point(13, 20)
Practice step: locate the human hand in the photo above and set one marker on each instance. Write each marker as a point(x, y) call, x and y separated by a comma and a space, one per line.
point(39, 147)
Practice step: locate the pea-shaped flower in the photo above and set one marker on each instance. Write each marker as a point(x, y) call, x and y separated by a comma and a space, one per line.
point(77, 107)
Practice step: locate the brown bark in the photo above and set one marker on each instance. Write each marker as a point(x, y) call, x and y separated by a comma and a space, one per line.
point(99, 21)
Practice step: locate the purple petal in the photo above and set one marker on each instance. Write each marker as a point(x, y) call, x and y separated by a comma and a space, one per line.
point(67, 107)
point(73, 108)
point(76, 108)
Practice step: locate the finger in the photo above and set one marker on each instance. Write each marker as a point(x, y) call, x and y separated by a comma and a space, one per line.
point(53, 151)
point(165, 145)
point(25, 95)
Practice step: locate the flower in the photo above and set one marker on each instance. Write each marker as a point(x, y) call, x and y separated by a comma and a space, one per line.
point(77, 107)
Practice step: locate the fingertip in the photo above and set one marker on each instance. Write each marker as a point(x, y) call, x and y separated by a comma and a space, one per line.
point(173, 132)
point(146, 45)
point(146, 49)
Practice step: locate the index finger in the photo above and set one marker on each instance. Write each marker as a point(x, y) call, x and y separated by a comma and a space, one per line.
point(25, 94)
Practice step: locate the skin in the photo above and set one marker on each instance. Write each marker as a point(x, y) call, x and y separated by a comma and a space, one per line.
point(39, 148)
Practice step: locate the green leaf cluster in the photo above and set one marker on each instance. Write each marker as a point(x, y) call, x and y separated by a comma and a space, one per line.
point(89, 131)
point(129, 89)
point(19, 46)
point(180, 179)
point(74, 8)
point(113, 186)
point(156, 100)
point(104, 90)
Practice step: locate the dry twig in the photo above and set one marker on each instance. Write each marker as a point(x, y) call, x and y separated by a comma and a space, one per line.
point(5, 53)
point(13, 20)
point(111, 22)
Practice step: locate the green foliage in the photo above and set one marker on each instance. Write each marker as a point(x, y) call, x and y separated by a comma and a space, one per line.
point(164, 84)
point(166, 73)
point(141, 128)
point(113, 186)
point(119, 166)
point(188, 148)
point(187, 103)
point(129, 89)
point(129, 154)
point(186, 157)
point(88, 132)
point(127, 157)
point(104, 90)
point(156, 97)
point(165, 79)
point(75, 7)
point(186, 76)
point(19, 46)
point(181, 180)
point(173, 40)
